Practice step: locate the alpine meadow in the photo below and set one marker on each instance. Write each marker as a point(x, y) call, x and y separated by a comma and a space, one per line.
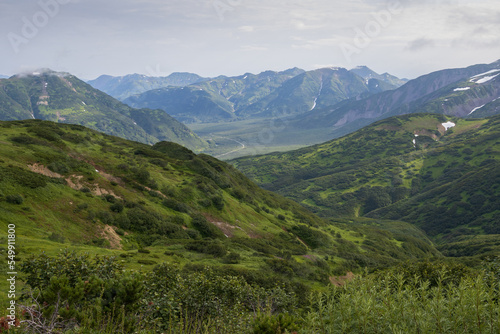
point(233, 167)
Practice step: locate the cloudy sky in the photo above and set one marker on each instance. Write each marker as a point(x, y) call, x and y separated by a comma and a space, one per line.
point(88, 38)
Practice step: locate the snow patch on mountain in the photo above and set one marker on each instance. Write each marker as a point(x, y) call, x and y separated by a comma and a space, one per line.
point(448, 125)
point(476, 109)
point(485, 73)
point(484, 77)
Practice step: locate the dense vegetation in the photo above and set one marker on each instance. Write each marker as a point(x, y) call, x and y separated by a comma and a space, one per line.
point(170, 241)
point(68, 187)
point(417, 297)
point(407, 168)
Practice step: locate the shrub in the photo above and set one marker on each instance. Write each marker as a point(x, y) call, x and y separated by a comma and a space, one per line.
point(116, 207)
point(78, 291)
point(218, 202)
point(175, 205)
point(109, 198)
point(313, 238)
point(56, 238)
point(232, 258)
point(141, 175)
point(100, 242)
point(206, 229)
point(14, 199)
point(212, 247)
point(39, 269)
point(58, 167)
point(25, 139)
point(81, 207)
point(24, 177)
point(274, 324)
point(123, 222)
point(105, 217)
point(47, 133)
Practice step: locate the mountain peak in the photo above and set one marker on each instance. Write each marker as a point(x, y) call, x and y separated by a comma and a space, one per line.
point(41, 71)
point(361, 67)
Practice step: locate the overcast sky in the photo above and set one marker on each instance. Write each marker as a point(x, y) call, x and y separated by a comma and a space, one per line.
point(88, 38)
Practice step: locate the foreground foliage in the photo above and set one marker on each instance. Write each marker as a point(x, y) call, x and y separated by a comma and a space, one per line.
point(396, 305)
point(412, 298)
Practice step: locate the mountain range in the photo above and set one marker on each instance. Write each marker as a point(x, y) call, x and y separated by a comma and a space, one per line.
point(414, 195)
point(462, 92)
point(367, 73)
point(270, 111)
point(124, 86)
point(268, 94)
point(61, 97)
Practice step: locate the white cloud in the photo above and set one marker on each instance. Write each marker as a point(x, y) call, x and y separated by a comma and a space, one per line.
point(246, 29)
point(420, 43)
point(92, 37)
point(253, 48)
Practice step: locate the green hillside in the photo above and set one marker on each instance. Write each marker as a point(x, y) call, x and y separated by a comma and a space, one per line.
point(66, 186)
point(115, 236)
point(408, 168)
point(63, 98)
point(187, 104)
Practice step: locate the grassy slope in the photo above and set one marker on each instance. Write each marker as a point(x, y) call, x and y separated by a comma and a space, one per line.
point(64, 98)
point(440, 184)
point(90, 191)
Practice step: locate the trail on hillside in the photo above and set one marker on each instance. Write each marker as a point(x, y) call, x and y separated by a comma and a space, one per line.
point(243, 146)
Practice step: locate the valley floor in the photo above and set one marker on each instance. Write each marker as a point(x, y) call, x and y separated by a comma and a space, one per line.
point(254, 137)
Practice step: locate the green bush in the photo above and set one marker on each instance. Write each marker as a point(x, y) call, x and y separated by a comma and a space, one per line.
point(74, 290)
point(176, 205)
point(212, 247)
point(56, 237)
point(206, 229)
point(26, 139)
point(313, 238)
point(274, 324)
point(393, 304)
point(218, 202)
point(23, 177)
point(116, 207)
point(14, 199)
point(232, 258)
point(58, 167)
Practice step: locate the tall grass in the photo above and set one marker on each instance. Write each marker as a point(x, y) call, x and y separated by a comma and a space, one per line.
point(393, 305)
